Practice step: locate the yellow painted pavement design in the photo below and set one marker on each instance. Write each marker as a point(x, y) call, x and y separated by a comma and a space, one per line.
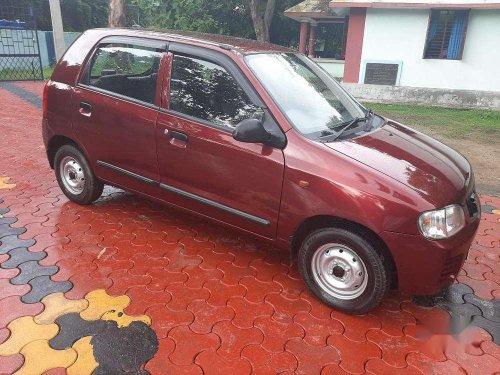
point(123, 320)
point(23, 331)
point(101, 302)
point(39, 357)
point(30, 336)
point(496, 212)
point(85, 362)
point(4, 183)
point(57, 305)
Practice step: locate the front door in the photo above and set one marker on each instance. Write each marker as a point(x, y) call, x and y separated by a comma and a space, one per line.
point(115, 112)
point(202, 167)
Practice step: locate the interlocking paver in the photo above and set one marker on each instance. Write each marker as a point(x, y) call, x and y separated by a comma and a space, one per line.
point(353, 354)
point(206, 315)
point(276, 334)
point(198, 298)
point(189, 344)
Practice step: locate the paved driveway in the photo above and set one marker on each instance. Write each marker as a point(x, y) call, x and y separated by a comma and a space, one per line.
point(126, 285)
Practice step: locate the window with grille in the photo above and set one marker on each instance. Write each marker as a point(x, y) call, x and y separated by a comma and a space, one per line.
point(446, 34)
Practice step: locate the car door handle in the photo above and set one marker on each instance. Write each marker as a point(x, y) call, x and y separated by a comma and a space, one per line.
point(177, 139)
point(85, 109)
point(179, 135)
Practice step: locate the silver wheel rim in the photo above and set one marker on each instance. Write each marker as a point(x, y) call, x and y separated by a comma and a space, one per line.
point(339, 271)
point(72, 175)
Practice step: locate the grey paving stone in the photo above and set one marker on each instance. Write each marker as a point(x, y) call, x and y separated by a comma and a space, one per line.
point(461, 315)
point(42, 286)
point(487, 208)
point(12, 242)
point(30, 270)
point(3, 211)
point(490, 309)
point(21, 255)
point(7, 230)
point(7, 220)
point(493, 328)
point(455, 293)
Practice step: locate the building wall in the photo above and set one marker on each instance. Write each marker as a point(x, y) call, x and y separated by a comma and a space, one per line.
point(398, 35)
point(334, 67)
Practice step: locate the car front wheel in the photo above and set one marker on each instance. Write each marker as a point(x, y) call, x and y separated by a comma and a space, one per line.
point(343, 269)
point(75, 177)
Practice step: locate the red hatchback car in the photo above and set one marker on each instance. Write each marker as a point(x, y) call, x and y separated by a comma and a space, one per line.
point(260, 138)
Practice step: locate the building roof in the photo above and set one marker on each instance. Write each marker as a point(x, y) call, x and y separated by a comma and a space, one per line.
point(486, 4)
point(312, 9)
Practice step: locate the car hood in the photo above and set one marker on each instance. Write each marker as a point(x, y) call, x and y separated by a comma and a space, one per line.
point(437, 172)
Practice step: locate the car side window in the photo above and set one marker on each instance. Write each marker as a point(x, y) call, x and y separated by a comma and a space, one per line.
point(205, 90)
point(127, 70)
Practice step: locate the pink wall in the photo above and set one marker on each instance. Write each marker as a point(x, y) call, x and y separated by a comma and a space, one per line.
point(354, 45)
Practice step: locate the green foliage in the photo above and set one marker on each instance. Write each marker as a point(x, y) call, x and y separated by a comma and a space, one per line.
point(229, 17)
point(78, 15)
point(225, 17)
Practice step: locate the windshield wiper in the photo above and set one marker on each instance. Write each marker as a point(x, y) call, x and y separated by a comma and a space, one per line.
point(350, 123)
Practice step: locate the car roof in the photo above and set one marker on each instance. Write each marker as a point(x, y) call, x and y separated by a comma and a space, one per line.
point(244, 46)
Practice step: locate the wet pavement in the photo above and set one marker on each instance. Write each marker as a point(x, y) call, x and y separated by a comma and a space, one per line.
point(130, 286)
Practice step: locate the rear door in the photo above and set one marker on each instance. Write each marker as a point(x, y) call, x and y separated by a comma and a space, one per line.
point(115, 111)
point(202, 167)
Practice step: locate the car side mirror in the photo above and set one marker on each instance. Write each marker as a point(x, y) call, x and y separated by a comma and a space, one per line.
point(251, 130)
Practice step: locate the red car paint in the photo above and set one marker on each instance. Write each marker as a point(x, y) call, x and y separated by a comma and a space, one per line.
point(382, 180)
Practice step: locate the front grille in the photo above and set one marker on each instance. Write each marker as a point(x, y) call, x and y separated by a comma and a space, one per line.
point(451, 267)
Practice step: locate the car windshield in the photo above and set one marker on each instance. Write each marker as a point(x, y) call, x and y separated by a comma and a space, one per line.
point(311, 99)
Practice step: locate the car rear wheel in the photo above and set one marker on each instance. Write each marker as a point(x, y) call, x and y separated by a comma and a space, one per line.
point(343, 269)
point(75, 177)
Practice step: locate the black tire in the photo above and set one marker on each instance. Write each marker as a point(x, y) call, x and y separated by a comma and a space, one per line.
point(92, 186)
point(375, 287)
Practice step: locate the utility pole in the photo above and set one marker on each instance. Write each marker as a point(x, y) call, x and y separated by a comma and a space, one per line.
point(57, 28)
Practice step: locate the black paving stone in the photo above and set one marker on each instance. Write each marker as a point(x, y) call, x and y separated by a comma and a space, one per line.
point(12, 242)
point(124, 350)
point(42, 286)
point(30, 270)
point(21, 255)
point(72, 328)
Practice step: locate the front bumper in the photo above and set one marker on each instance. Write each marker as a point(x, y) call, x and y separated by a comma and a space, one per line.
point(424, 266)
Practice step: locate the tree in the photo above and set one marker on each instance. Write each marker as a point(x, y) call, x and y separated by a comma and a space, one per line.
point(262, 12)
point(117, 13)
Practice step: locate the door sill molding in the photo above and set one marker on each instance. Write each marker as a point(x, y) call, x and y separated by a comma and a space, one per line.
point(126, 172)
point(220, 206)
point(186, 194)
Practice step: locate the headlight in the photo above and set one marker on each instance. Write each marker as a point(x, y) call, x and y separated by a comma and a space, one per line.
point(442, 223)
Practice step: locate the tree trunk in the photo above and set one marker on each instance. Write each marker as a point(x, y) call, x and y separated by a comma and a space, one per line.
point(262, 12)
point(116, 13)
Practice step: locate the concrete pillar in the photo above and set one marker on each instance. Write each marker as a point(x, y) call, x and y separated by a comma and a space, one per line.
point(354, 45)
point(57, 28)
point(312, 38)
point(304, 26)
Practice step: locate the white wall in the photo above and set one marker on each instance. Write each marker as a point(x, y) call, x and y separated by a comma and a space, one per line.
point(334, 67)
point(399, 35)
